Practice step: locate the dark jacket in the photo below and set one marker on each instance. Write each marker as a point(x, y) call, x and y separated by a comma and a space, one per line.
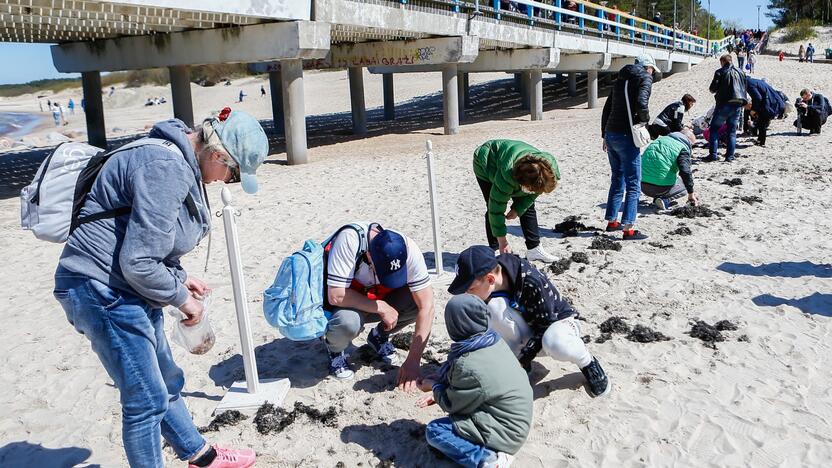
point(765, 100)
point(819, 104)
point(672, 117)
point(729, 86)
point(639, 85)
point(537, 299)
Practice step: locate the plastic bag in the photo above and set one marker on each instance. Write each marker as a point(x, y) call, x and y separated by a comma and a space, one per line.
point(199, 338)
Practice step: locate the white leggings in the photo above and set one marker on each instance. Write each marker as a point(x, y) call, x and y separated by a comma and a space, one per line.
point(562, 340)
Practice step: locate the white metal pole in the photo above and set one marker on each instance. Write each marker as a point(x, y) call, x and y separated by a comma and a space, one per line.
point(434, 209)
point(239, 287)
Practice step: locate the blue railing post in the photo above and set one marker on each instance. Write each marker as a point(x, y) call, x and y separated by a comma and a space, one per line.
point(581, 10)
point(656, 38)
point(617, 27)
point(456, 6)
point(632, 23)
point(530, 12)
point(600, 14)
point(558, 3)
point(496, 4)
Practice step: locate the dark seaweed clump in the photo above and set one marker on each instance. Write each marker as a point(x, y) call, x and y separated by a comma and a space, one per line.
point(270, 418)
point(580, 257)
point(711, 334)
point(682, 231)
point(614, 325)
point(695, 211)
point(571, 227)
point(659, 245)
point(732, 182)
point(604, 243)
point(402, 340)
point(560, 266)
point(226, 418)
point(751, 199)
point(603, 338)
point(642, 334)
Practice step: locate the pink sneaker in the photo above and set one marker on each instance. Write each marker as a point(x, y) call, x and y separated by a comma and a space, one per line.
point(231, 458)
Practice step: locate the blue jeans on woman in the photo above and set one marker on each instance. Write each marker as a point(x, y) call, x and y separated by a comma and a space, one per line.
point(128, 336)
point(441, 436)
point(724, 113)
point(625, 163)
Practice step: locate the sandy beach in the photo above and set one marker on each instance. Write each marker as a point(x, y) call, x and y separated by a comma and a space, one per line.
point(759, 398)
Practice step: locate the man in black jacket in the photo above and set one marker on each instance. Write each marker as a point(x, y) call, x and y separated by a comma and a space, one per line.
point(812, 111)
point(627, 105)
point(729, 88)
point(672, 118)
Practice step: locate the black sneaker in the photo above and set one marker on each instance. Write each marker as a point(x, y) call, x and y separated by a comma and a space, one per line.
point(596, 379)
point(710, 158)
point(634, 235)
point(730, 158)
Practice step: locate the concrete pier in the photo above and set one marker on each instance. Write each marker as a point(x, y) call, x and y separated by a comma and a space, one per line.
point(450, 98)
point(536, 94)
point(592, 89)
point(359, 111)
point(180, 87)
point(94, 109)
point(276, 90)
point(294, 112)
point(389, 97)
point(573, 84)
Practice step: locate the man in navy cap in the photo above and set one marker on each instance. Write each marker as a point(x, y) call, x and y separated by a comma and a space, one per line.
point(376, 275)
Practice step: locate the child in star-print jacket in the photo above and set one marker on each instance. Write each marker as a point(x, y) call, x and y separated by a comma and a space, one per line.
point(527, 311)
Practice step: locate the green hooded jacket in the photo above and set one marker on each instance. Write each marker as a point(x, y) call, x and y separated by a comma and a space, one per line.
point(489, 399)
point(493, 162)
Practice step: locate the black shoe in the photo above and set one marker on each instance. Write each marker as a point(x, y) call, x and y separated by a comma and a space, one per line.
point(614, 226)
point(596, 379)
point(710, 158)
point(634, 235)
point(730, 158)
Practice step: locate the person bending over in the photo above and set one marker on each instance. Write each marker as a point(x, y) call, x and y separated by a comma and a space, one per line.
point(671, 118)
point(665, 169)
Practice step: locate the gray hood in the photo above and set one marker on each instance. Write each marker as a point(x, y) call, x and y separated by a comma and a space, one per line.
point(466, 315)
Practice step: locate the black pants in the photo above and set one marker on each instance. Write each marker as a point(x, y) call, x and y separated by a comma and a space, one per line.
point(528, 221)
point(761, 126)
point(657, 131)
point(812, 120)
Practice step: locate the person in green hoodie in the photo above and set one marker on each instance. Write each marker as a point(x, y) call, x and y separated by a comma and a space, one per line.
point(665, 169)
point(509, 170)
point(482, 387)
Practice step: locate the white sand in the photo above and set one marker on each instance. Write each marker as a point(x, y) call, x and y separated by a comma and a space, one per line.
point(765, 402)
point(823, 41)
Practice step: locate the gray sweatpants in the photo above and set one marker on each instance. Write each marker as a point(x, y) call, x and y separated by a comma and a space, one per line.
point(346, 324)
point(671, 192)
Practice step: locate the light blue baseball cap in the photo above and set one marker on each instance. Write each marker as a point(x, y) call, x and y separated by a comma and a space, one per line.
point(246, 142)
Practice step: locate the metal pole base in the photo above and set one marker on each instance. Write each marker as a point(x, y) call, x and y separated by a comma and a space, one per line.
point(237, 398)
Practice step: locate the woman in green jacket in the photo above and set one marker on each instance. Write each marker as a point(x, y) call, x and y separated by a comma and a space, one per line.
point(514, 170)
point(483, 389)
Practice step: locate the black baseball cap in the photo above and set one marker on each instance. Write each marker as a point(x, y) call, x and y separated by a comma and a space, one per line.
point(472, 263)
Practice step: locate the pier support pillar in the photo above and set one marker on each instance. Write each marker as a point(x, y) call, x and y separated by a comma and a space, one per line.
point(359, 111)
point(389, 97)
point(294, 112)
point(450, 98)
point(94, 109)
point(592, 89)
point(275, 87)
point(180, 87)
point(536, 94)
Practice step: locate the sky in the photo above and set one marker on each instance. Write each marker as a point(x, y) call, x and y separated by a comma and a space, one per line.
point(28, 62)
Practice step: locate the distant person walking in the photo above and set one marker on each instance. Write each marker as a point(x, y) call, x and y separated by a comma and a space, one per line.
point(810, 53)
point(262, 91)
point(628, 104)
point(729, 88)
point(56, 114)
point(242, 95)
point(71, 106)
point(801, 53)
point(112, 90)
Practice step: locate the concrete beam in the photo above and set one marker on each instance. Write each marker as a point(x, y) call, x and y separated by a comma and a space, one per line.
point(359, 111)
point(294, 112)
point(94, 109)
point(255, 43)
point(592, 89)
point(389, 97)
point(536, 94)
point(180, 87)
point(433, 51)
point(620, 62)
point(490, 61)
point(276, 90)
point(583, 62)
point(679, 67)
point(450, 100)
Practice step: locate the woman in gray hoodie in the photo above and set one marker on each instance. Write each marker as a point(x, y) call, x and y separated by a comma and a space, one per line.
point(117, 272)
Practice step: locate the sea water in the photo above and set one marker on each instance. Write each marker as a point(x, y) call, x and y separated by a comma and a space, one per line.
point(17, 123)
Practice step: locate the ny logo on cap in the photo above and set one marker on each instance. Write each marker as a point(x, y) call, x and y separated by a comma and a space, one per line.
point(395, 264)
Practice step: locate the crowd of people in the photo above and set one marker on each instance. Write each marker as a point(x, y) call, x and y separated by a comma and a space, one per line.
point(147, 208)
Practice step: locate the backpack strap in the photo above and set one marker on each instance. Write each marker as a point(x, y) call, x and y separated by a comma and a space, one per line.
point(102, 157)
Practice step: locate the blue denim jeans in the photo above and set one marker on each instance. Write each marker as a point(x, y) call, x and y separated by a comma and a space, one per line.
point(625, 163)
point(129, 338)
point(441, 436)
point(725, 113)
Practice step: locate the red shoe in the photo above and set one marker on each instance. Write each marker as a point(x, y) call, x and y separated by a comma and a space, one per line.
point(613, 226)
point(231, 458)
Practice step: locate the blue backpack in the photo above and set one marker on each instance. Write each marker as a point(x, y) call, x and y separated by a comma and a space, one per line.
point(294, 304)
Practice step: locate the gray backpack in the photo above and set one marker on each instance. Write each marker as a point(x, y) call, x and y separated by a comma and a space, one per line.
point(50, 206)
